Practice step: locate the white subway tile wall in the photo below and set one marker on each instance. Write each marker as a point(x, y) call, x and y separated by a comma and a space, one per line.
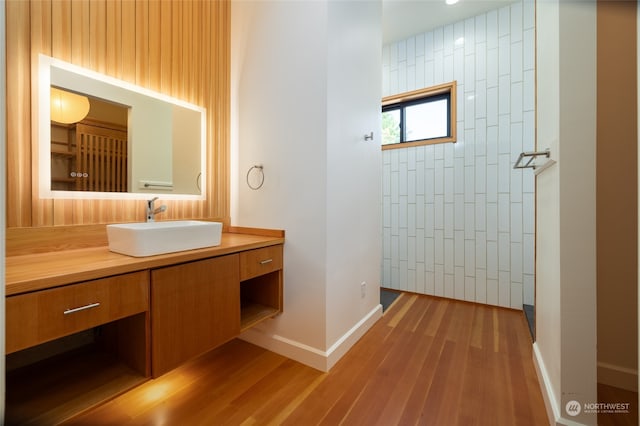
point(458, 219)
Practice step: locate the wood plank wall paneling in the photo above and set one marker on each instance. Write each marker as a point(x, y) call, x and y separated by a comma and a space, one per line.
point(18, 114)
point(617, 193)
point(181, 49)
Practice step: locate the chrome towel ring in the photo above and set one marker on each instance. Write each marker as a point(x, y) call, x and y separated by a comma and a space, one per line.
point(260, 170)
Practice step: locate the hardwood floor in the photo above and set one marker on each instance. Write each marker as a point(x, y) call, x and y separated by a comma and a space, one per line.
point(427, 361)
point(610, 394)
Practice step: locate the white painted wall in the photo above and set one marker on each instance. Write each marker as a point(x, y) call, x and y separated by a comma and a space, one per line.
point(353, 181)
point(458, 220)
point(282, 124)
point(297, 69)
point(565, 349)
point(548, 312)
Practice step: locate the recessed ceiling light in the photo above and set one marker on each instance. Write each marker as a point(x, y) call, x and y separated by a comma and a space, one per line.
point(451, 1)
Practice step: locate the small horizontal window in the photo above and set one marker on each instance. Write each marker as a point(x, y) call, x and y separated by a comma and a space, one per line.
point(421, 117)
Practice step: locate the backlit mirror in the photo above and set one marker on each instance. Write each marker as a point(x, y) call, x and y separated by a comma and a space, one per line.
point(99, 137)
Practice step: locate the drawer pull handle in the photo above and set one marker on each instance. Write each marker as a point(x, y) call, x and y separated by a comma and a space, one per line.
point(264, 262)
point(81, 308)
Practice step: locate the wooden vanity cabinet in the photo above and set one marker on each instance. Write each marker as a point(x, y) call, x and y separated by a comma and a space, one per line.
point(194, 307)
point(79, 333)
point(74, 346)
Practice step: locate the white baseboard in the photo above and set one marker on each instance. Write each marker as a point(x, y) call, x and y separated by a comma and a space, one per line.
point(313, 357)
point(550, 401)
point(555, 414)
point(619, 377)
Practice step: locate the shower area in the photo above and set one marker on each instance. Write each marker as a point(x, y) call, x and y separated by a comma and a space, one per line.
point(458, 219)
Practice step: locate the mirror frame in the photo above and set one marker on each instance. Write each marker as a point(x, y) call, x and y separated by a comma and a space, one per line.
point(41, 123)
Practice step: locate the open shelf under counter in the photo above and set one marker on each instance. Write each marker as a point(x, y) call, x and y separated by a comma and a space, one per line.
point(254, 313)
point(260, 298)
point(56, 388)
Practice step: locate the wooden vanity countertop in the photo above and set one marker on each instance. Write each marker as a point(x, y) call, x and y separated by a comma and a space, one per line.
point(39, 271)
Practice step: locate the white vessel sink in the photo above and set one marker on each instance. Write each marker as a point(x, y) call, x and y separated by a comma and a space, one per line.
point(151, 238)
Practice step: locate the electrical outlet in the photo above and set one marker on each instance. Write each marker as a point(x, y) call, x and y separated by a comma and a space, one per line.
point(363, 289)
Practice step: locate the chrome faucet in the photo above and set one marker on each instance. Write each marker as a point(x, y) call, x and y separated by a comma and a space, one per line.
point(152, 211)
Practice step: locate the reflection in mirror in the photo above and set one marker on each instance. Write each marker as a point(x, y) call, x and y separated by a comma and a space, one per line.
point(88, 143)
point(118, 141)
point(68, 107)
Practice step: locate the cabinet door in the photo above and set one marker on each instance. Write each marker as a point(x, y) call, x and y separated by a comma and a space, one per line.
point(194, 308)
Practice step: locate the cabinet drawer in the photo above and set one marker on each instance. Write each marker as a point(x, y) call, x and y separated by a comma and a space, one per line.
point(260, 261)
point(45, 315)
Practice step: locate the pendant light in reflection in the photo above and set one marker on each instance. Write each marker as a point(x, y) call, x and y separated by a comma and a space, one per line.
point(67, 107)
